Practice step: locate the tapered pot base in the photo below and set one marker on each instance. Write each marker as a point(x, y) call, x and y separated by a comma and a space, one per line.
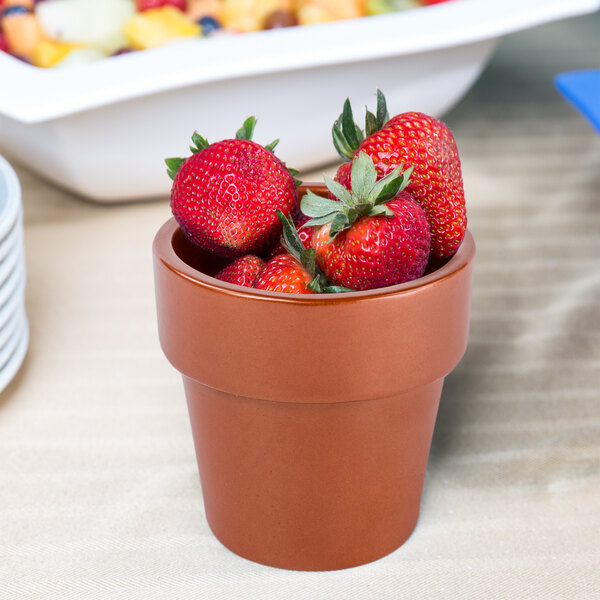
point(307, 486)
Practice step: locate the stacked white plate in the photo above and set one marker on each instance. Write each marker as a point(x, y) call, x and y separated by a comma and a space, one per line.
point(14, 328)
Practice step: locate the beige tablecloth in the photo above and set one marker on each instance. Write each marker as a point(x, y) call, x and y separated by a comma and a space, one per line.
point(99, 493)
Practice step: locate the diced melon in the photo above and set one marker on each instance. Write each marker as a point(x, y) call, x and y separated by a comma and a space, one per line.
point(80, 56)
point(91, 22)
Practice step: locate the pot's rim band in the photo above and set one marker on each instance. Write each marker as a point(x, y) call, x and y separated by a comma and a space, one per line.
point(164, 251)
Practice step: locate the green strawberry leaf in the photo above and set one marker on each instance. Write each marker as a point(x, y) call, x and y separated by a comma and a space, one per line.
point(247, 129)
point(307, 259)
point(382, 112)
point(318, 221)
point(371, 125)
point(392, 184)
point(290, 239)
point(315, 285)
point(336, 289)
point(382, 209)
point(343, 148)
point(199, 143)
point(306, 256)
point(338, 190)
point(173, 165)
point(350, 129)
point(389, 186)
point(339, 223)
point(363, 175)
point(271, 147)
point(317, 206)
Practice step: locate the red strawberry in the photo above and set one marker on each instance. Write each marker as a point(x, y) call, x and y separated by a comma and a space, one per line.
point(375, 236)
point(284, 273)
point(225, 196)
point(415, 140)
point(242, 271)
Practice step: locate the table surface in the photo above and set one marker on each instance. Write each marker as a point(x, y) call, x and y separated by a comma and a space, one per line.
point(99, 493)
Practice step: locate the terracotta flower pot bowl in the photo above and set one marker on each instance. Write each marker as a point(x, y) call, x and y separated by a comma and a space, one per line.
point(312, 416)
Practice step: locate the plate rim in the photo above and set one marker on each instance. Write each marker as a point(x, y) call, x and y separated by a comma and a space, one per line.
point(13, 239)
point(10, 325)
point(9, 347)
point(14, 362)
point(16, 291)
point(10, 212)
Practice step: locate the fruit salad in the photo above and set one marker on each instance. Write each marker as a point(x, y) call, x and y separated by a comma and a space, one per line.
point(60, 33)
point(395, 206)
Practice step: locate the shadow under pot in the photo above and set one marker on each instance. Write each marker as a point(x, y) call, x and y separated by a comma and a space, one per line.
point(312, 415)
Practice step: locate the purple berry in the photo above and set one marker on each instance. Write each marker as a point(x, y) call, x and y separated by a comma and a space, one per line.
point(14, 10)
point(209, 25)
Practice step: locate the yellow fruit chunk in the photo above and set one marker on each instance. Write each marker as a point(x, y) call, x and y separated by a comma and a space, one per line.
point(158, 26)
point(309, 14)
point(22, 33)
point(249, 15)
point(322, 11)
point(49, 52)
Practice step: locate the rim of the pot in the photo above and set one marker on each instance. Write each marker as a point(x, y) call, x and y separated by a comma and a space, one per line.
point(164, 250)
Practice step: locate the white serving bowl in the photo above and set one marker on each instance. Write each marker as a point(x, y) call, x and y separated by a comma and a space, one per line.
point(103, 129)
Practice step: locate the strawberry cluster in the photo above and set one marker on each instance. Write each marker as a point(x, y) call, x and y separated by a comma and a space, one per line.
point(396, 202)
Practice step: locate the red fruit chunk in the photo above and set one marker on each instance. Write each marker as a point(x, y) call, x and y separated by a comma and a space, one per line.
point(242, 271)
point(143, 5)
point(284, 274)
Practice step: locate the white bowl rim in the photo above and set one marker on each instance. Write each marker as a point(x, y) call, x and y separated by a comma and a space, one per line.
point(45, 94)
